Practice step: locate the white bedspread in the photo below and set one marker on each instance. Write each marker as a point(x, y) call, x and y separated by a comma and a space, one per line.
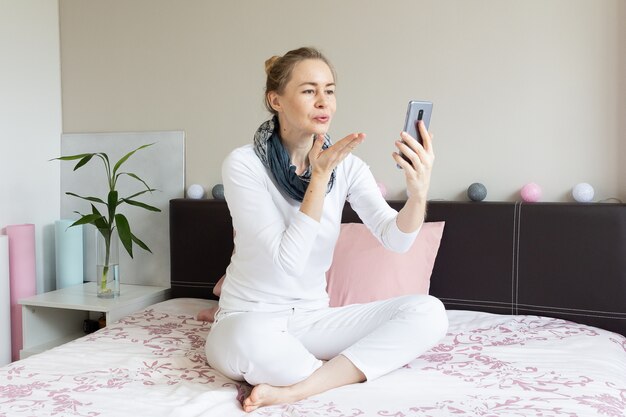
point(152, 364)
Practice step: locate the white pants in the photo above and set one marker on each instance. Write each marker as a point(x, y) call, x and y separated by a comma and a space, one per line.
point(285, 347)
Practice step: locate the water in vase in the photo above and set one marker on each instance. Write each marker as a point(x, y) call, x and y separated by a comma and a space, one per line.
point(112, 287)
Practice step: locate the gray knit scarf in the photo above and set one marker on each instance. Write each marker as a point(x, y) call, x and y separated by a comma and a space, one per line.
point(270, 150)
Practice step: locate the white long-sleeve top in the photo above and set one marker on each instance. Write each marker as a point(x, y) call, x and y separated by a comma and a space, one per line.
point(281, 254)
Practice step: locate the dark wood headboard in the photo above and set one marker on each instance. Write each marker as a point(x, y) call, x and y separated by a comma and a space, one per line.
point(554, 259)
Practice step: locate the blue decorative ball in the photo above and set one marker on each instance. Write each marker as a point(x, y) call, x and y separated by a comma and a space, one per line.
point(218, 192)
point(477, 192)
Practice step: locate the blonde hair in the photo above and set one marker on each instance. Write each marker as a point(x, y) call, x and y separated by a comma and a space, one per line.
point(279, 69)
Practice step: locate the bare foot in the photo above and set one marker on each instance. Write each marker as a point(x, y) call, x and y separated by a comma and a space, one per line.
point(335, 373)
point(264, 394)
point(207, 314)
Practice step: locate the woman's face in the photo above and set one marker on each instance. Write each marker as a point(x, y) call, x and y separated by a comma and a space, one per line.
point(307, 105)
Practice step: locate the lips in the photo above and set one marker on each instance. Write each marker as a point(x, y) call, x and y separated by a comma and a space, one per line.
point(321, 119)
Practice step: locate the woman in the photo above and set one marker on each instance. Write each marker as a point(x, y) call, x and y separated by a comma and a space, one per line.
point(286, 193)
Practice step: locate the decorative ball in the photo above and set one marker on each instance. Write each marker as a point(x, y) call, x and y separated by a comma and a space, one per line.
point(218, 191)
point(531, 192)
point(477, 192)
point(382, 188)
point(195, 191)
point(583, 192)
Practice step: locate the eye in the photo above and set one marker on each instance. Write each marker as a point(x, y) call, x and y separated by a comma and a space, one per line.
point(308, 91)
point(330, 92)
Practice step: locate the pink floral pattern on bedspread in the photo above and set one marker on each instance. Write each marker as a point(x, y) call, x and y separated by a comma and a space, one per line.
point(152, 363)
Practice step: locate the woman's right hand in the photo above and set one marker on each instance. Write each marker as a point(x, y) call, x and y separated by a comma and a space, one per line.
point(323, 161)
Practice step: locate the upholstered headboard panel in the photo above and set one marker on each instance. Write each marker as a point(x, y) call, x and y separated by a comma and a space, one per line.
point(574, 263)
point(201, 243)
point(554, 259)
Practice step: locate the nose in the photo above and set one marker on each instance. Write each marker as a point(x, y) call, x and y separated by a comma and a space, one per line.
point(320, 101)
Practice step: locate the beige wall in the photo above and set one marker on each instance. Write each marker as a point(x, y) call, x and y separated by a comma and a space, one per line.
point(30, 124)
point(522, 90)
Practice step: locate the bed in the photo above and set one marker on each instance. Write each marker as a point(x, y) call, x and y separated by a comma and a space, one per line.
point(536, 299)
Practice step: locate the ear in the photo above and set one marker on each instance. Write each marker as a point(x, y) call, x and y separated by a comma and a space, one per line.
point(274, 100)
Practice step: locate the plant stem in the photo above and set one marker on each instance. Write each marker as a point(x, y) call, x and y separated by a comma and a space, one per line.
point(105, 269)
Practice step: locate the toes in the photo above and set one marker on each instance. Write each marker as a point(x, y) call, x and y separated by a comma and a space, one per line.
point(249, 405)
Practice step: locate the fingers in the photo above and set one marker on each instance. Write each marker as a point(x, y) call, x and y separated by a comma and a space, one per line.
point(407, 155)
point(318, 143)
point(419, 156)
point(417, 169)
point(425, 135)
point(351, 141)
point(347, 145)
point(327, 159)
point(423, 150)
point(409, 147)
point(401, 162)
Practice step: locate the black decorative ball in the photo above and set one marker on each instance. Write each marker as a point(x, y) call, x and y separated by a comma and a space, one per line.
point(477, 192)
point(218, 192)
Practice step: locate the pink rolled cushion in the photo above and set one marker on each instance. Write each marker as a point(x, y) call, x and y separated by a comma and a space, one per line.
point(363, 270)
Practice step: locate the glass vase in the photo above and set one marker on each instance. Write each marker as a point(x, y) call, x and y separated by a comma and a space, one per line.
point(107, 264)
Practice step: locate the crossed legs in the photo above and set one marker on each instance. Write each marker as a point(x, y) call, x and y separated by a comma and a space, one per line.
point(281, 353)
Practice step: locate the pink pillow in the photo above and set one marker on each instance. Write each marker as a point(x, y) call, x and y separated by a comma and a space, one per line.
point(363, 270)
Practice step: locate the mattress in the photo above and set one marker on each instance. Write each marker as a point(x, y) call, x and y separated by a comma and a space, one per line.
point(152, 363)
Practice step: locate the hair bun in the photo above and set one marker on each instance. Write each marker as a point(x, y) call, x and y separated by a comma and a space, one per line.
point(269, 63)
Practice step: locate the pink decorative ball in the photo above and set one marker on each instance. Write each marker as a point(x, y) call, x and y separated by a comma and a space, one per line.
point(382, 188)
point(531, 192)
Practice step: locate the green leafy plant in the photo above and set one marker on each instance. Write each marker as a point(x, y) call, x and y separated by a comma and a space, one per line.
point(111, 219)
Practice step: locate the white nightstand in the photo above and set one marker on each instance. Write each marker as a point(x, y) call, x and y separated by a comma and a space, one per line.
point(53, 318)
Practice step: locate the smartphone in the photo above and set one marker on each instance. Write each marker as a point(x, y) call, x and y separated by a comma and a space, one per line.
point(416, 111)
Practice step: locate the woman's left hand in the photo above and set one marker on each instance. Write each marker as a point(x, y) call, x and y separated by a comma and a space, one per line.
point(417, 172)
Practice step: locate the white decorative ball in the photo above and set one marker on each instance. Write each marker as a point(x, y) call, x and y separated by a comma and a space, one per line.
point(583, 192)
point(195, 191)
